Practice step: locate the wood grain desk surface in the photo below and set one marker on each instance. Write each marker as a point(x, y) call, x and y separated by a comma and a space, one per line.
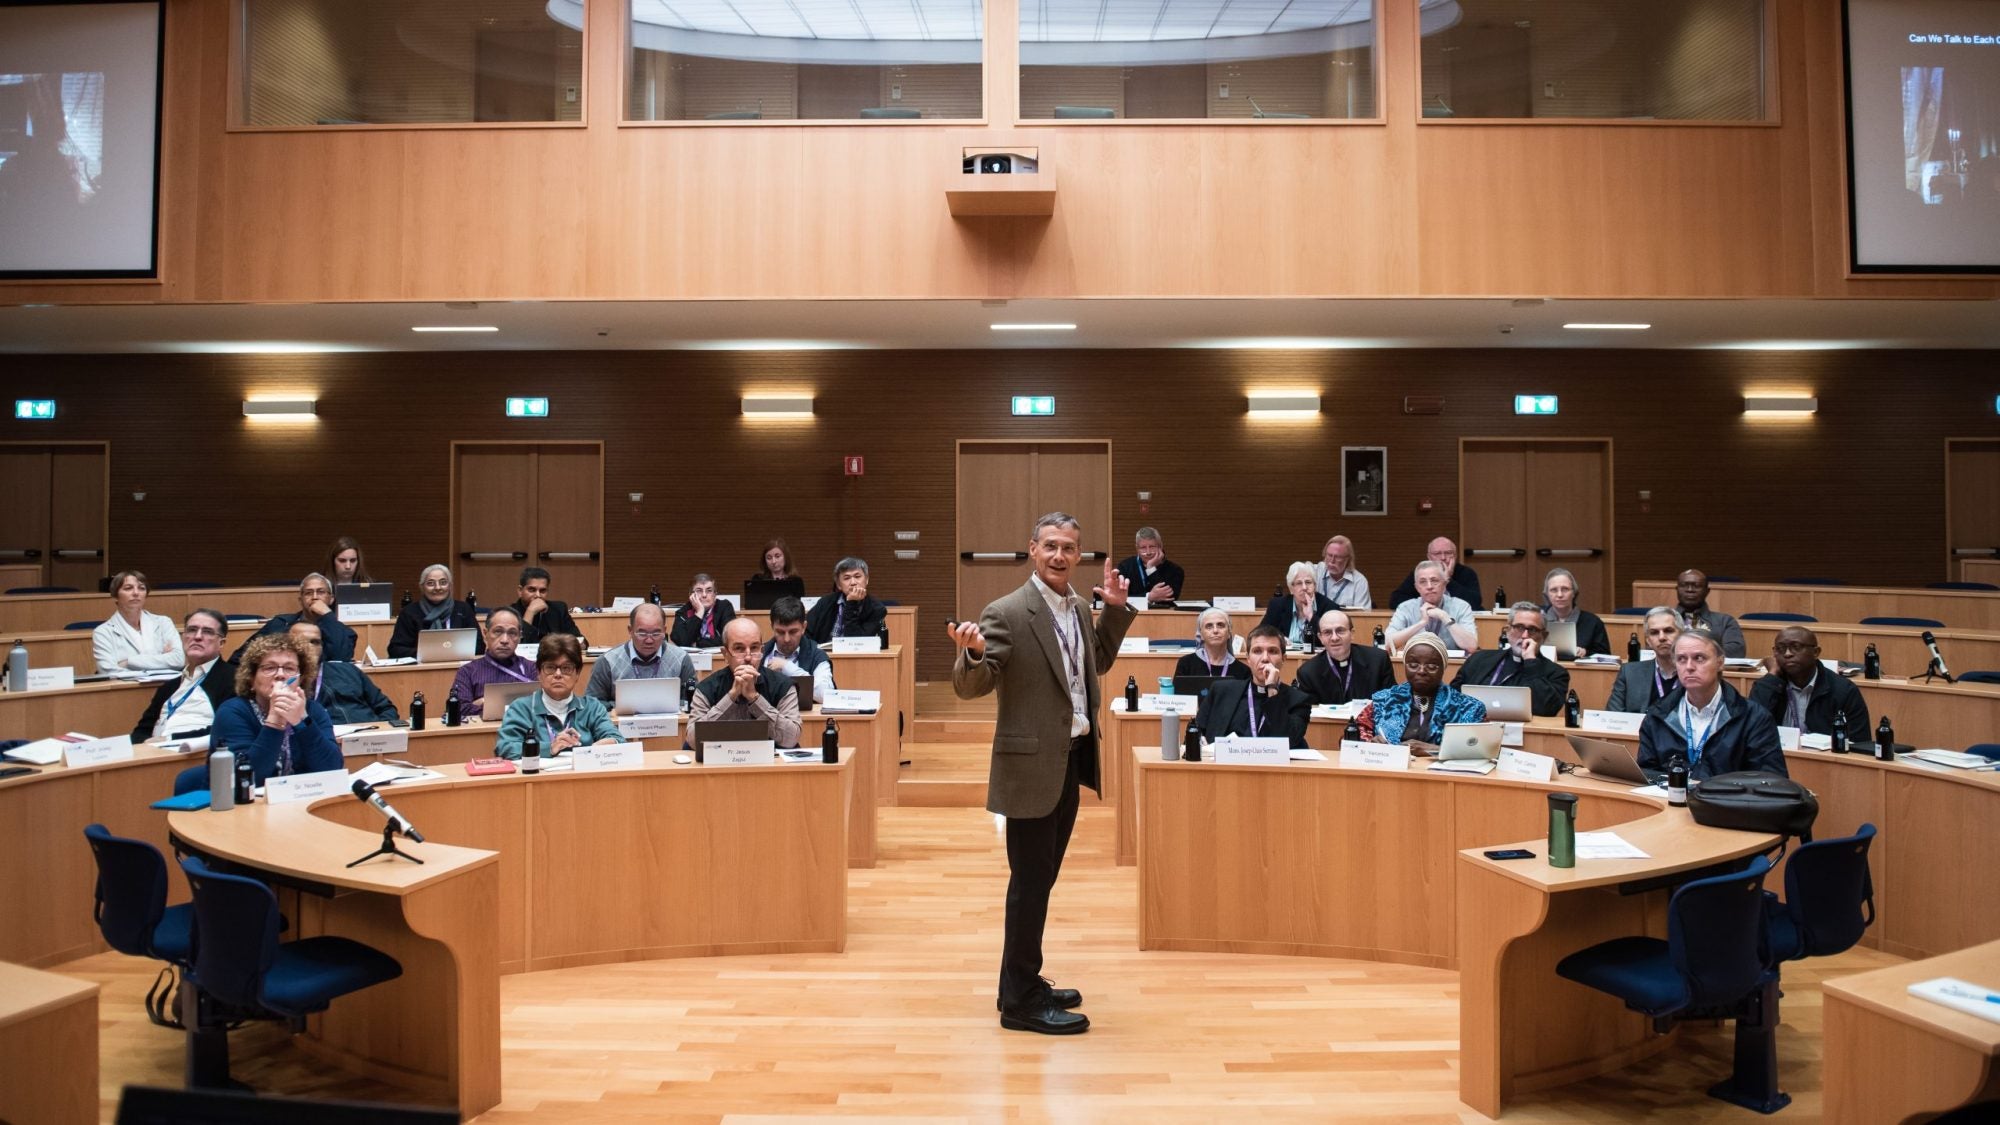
point(1886, 992)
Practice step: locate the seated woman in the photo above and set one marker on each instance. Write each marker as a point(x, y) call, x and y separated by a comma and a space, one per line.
point(556, 714)
point(1297, 613)
point(1213, 656)
point(698, 623)
point(776, 566)
point(132, 639)
point(1414, 713)
point(274, 720)
point(435, 610)
point(1559, 595)
point(848, 611)
point(344, 563)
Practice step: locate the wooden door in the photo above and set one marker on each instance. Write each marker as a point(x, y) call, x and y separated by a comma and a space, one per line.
point(1972, 501)
point(528, 504)
point(1003, 487)
point(569, 517)
point(54, 528)
point(1494, 526)
point(1526, 507)
point(24, 518)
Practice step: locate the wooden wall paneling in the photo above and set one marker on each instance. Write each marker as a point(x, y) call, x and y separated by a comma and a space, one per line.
point(78, 480)
point(320, 216)
point(1075, 477)
point(994, 513)
point(1972, 498)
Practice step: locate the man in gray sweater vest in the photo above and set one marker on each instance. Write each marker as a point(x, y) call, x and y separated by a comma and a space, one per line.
point(647, 656)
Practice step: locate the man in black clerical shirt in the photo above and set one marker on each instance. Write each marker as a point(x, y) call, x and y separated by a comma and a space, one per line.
point(1262, 706)
point(1520, 663)
point(1806, 695)
point(1343, 670)
point(1151, 575)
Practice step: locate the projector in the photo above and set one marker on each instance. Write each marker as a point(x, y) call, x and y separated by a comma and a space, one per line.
point(991, 163)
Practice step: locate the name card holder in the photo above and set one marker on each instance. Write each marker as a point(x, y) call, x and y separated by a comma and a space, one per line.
point(1168, 704)
point(1788, 738)
point(1252, 751)
point(1235, 605)
point(626, 605)
point(1374, 756)
point(702, 661)
point(649, 726)
point(306, 786)
point(852, 646)
point(1612, 722)
point(363, 744)
point(51, 679)
point(605, 757)
point(1523, 766)
point(98, 751)
point(1134, 644)
point(361, 611)
point(740, 753)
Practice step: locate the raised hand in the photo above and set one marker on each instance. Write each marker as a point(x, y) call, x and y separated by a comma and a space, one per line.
point(1116, 590)
point(966, 635)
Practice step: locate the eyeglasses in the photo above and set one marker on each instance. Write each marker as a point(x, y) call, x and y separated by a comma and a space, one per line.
point(561, 669)
point(1791, 646)
point(200, 631)
point(268, 669)
point(436, 584)
point(648, 635)
point(1537, 630)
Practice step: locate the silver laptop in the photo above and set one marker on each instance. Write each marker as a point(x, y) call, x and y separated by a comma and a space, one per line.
point(1469, 742)
point(447, 646)
point(493, 703)
point(1562, 638)
point(1611, 760)
point(658, 696)
point(1503, 704)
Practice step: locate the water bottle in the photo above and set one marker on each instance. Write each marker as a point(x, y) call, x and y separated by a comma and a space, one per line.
point(653, 595)
point(1499, 599)
point(1677, 782)
point(1381, 638)
point(1572, 710)
point(1131, 694)
point(417, 711)
point(829, 744)
point(1191, 744)
point(1353, 731)
point(406, 599)
point(1562, 830)
point(882, 634)
point(531, 753)
point(1170, 736)
point(222, 779)
point(246, 779)
point(17, 667)
point(472, 601)
point(453, 712)
point(1871, 664)
point(1885, 741)
point(1632, 649)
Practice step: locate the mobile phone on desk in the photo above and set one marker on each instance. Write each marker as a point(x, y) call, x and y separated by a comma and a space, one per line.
point(1509, 853)
point(399, 722)
point(17, 771)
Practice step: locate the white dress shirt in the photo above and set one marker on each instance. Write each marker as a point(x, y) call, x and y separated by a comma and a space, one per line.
point(1066, 616)
point(118, 646)
point(187, 706)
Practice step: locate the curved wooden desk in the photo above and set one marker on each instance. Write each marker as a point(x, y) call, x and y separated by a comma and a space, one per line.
point(1959, 609)
point(558, 870)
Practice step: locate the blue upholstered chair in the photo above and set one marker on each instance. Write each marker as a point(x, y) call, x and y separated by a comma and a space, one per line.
point(1987, 750)
point(1629, 611)
point(1829, 899)
point(1774, 615)
point(1979, 676)
point(1904, 622)
point(1810, 581)
point(81, 626)
point(1713, 964)
point(1960, 586)
point(131, 912)
point(44, 590)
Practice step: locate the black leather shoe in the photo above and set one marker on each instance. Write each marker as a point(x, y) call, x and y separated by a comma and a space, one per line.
point(1064, 998)
point(1044, 1019)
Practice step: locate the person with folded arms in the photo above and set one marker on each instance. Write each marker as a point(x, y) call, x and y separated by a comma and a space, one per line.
point(1212, 657)
point(132, 640)
point(1642, 683)
point(315, 607)
point(274, 721)
point(1432, 611)
point(188, 704)
point(1150, 573)
point(1334, 575)
point(541, 615)
point(848, 611)
point(1707, 723)
point(647, 655)
point(790, 652)
point(744, 689)
point(1559, 597)
point(1520, 663)
point(560, 717)
point(436, 609)
point(1414, 713)
point(500, 664)
point(1262, 706)
point(1343, 671)
point(1296, 613)
point(1692, 613)
point(1806, 695)
point(699, 623)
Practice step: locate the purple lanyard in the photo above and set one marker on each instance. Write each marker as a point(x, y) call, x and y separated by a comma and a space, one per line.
point(839, 613)
point(1072, 656)
point(518, 677)
point(1422, 712)
point(1498, 669)
point(1250, 697)
point(1347, 682)
point(1227, 660)
point(1659, 683)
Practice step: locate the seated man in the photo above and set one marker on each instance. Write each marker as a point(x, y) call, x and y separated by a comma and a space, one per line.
point(1432, 611)
point(316, 607)
point(1642, 683)
point(1336, 577)
point(1263, 706)
point(742, 690)
point(1707, 723)
point(1694, 616)
point(792, 653)
point(1461, 581)
point(699, 623)
point(500, 664)
point(647, 655)
point(1520, 663)
point(1344, 671)
point(848, 611)
point(1154, 579)
point(187, 704)
point(1806, 695)
point(540, 614)
point(346, 692)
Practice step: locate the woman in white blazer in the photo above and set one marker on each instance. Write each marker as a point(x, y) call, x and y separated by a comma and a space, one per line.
point(134, 640)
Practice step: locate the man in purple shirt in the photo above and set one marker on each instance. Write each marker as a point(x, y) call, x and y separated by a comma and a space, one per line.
point(499, 665)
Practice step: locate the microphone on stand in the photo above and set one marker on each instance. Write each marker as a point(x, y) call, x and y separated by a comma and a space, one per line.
point(366, 792)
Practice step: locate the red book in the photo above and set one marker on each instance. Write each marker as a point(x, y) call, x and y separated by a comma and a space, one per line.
point(479, 767)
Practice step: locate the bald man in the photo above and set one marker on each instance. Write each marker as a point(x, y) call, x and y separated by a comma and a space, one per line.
point(744, 689)
point(1693, 615)
point(1460, 580)
point(1807, 695)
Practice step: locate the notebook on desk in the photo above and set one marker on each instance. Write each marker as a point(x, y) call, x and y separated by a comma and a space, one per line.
point(1611, 760)
point(1469, 742)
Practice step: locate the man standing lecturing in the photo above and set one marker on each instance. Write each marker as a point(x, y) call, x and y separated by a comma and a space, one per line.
point(1038, 648)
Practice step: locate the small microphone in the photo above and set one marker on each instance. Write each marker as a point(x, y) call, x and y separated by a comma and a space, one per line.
point(367, 793)
point(1936, 656)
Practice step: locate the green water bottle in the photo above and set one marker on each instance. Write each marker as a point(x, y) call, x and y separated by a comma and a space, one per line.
point(1562, 830)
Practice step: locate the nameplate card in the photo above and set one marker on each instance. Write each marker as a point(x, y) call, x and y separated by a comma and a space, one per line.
point(1523, 766)
point(735, 601)
point(1513, 734)
point(98, 751)
point(1169, 704)
point(739, 753)
point(362, 611)
point(1612, 722)
point(1646, 654)
point(810, 600)
point(370, 742)
point(1374, 756)
point(1235, 605)
point(626, 605)
point(852, 645)
point(702, 661)
point(1253, 751)
point(606, 756)
point(1134, 644)
point(51, 679)
point(306, 786)
point(850, 701)
point(1815, 742)
point(1788, 738)
point(649, 726)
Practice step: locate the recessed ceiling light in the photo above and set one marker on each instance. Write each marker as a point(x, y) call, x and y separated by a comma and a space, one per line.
point(1033, 327)
point(1589, 326)
point(454, 328)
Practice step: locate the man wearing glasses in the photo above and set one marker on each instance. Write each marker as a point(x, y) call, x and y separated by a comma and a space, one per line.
point(647, 656)
point(499, 665)
point(187, 705)
point(1521, 663)
point(1804, 694)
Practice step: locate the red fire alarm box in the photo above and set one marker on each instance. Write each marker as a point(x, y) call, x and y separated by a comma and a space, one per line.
point(853, 466)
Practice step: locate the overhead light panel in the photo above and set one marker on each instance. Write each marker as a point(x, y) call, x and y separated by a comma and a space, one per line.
point(777, 406)
point(454, 328)
point(1534, 404)
point(527, 408)
point(1033, 327)
point(1780, 406)
point(1034, 406)
point(35, 409)
point(1276, 405)
point(281, 409)
point(1592, 326)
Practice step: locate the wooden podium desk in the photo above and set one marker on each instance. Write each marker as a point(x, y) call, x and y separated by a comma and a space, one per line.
point(45, 1018)
point(1316, 860)
point(1893, 1057)
point(554, 871)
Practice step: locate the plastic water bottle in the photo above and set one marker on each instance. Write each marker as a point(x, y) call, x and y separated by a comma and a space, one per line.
point(829, 744)
point(653, 595)
point(222, 779)
point(1885, 741)
point(1871, 664)
point(1381, 638)
point(453, 710)
point(1353, 731)
point(1562, 830)
point(17, 667)
point(417, 711)
point(1632, 649)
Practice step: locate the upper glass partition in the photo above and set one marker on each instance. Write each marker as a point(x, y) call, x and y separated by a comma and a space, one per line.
point(1181, 59)
point(395, 62)
point(804, 60)
point(1679, 60)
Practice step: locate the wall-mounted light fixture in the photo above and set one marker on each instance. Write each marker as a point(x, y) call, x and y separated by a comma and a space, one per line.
point(777, 406)
point(1283, 405)
point(281, 409)
point(1780, 406)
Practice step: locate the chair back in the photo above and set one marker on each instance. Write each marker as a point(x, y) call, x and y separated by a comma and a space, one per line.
point(1715, 935)
point(1960, 586)
point(131, 890)
point(1774, 615)
point(1987, 750)
point(44, 590)
point(235, 934)
point(1830, 893)
point(1905, 622)
point(1979, 676)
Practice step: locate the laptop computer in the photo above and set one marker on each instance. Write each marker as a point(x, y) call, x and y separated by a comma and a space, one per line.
point(1617, 761)
point(1562, 638)
point(1469, 742)
point(494, 701)
point(729, 730)
point(1503, 704)
point(1194, 685)
point(761, 593)
point(446, 646)
point(803, 685)
point(660, 695)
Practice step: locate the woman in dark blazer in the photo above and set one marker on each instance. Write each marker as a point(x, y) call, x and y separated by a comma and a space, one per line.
point(1296, 614)
point(434, 610)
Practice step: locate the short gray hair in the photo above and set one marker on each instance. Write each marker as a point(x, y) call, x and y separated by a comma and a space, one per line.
point(1148, 535)
point(1211, 611)
point(426, 572)
point(315, 574)
point(847, 564)
point(1293, 571)
point(1707, 638)
point(1661, 611)
point(1561, 572)
point(1054, 519)
point(1419, 568)
point(1519, 608)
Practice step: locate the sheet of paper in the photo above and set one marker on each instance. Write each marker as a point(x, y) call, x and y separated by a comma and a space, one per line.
point(1788, 738)
point(1605, 845)
point(1134, 644)
point(382, 773)
point(1612, 722)
point(1308, 754)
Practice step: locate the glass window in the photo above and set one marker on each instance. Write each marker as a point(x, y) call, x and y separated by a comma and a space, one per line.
point(1085, 59)
point(1681, 60)
point(805, 60)
point(369, 62)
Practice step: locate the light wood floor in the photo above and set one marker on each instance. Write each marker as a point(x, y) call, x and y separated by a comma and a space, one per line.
point(902, 1024)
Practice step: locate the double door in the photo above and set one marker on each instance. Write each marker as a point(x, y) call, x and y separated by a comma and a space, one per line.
point(1003, 487)
point(1526, 507)
point(1972, 507)
point(55, 528)
point(518, 504)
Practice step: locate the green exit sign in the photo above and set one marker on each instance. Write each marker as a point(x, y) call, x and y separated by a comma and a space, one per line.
point(1034, 406)
point(35, 409)
point(1534, 404)
point(527, 408)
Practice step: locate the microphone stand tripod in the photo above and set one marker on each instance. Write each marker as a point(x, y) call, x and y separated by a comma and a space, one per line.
point(388, 847)
point(1933, 671)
